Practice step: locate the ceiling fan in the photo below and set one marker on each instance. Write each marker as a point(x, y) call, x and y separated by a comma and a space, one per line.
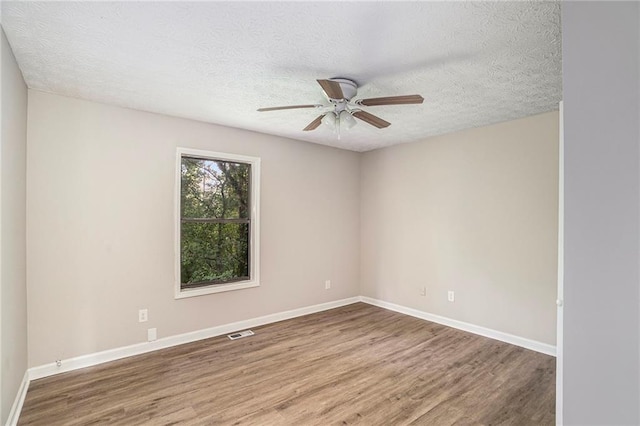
point(342, 107)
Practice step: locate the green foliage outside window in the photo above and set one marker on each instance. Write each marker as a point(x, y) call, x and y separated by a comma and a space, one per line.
point(215, 221)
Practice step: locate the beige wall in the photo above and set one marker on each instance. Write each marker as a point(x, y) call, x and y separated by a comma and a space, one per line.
point(13, 289)
point(474, 212)
point(100, 218)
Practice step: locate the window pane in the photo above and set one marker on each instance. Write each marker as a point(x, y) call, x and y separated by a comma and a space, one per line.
point(214, 189)
point(214, 252)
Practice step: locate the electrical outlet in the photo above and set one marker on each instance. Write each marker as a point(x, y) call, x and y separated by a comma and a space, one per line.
point(152, 334)
point(143, 315)
point(451, 296)
point(327, 284)
point(423, 291)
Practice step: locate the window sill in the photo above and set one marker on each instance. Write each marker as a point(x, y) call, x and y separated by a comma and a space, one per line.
point(216, 288)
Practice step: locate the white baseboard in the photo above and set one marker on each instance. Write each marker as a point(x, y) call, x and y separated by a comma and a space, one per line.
point(166, 342)
point(465, 326)
point(14, 414)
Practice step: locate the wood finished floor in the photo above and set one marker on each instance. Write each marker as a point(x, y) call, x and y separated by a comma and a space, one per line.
point(358, 364)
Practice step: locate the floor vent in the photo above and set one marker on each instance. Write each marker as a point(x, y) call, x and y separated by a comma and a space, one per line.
point(240, 334)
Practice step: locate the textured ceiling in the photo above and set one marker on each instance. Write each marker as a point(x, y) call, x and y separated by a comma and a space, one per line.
point(475, 63)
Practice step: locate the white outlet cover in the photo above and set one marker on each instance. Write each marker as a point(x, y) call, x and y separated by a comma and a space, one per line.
point(152, 334)
point(143, 315)
point(327, 284)
point(451, 296)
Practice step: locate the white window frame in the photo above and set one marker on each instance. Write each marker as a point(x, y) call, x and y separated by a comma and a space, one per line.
point(254, 229)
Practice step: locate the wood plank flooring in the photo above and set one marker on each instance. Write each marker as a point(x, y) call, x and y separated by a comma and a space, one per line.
point(358, 364)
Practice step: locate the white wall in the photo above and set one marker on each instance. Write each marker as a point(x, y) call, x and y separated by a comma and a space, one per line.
point(601, 56)
point(13, 290)
point(475, 212)
point(101, 226)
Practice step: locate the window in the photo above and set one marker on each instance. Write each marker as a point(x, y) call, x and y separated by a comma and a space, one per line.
point(217, 222)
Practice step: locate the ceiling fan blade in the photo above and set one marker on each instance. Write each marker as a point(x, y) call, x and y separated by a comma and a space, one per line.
point(314, 124)
point(332, 89)
point(392, 100)
point(287, 107)
point(371, 119)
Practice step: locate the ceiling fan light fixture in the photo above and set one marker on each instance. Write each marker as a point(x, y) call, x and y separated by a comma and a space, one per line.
point(346, 120)
point(329, 119)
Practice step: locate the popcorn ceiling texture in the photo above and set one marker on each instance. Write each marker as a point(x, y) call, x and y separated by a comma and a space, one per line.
point(475, 63)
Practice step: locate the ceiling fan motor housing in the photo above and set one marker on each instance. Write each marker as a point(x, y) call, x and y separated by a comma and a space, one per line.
point(349, 88)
